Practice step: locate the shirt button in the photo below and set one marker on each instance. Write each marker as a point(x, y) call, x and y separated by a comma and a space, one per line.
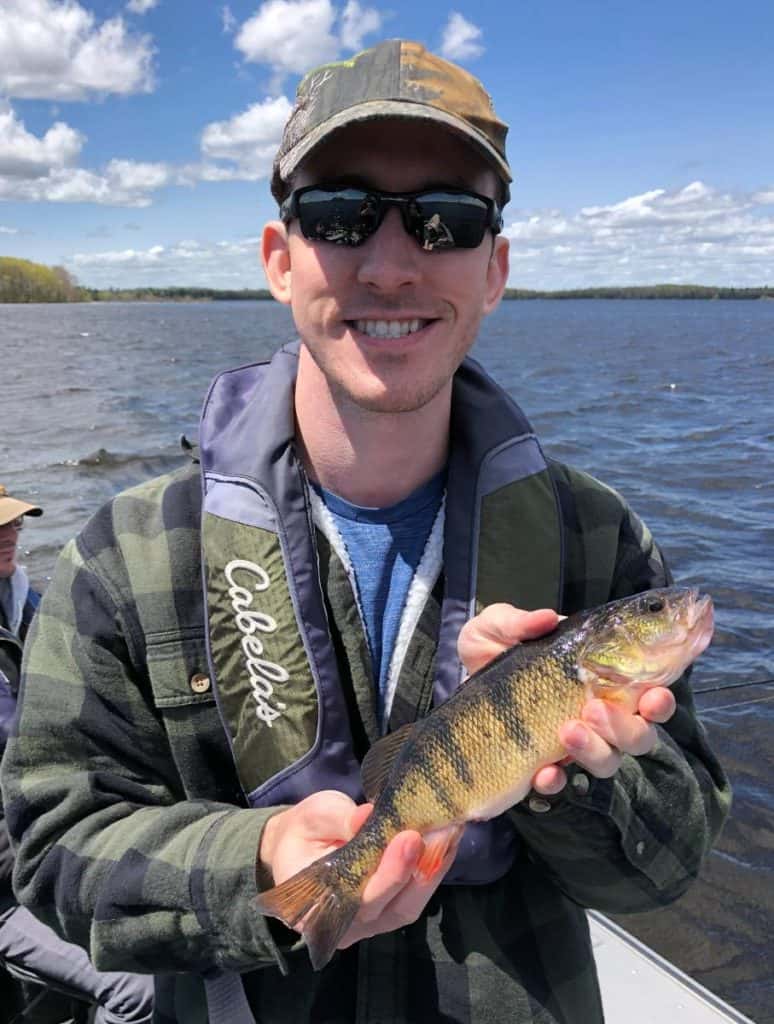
point(581, 783)
point(640, 848)
point(538, 805)
point(200, 683)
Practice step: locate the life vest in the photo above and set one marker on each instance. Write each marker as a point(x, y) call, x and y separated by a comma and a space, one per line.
point(273, 666)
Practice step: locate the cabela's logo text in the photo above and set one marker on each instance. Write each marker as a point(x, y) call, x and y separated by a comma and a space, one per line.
point(251, 622)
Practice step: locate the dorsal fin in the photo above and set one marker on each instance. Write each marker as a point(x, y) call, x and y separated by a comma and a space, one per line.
point(378, 762)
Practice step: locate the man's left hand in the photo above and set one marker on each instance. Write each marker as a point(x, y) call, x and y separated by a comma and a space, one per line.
point(604, 732)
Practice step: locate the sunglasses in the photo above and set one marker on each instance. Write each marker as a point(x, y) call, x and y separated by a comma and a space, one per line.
point(437, 218)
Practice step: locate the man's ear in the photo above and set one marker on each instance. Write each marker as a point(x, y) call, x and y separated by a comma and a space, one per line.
point(275, 254)
point(497, 273)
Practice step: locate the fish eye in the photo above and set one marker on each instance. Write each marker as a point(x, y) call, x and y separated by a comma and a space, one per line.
point(655, 605)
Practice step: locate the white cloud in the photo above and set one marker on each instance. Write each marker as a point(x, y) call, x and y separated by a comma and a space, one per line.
point(461, 39)
point(292, 36)
point(132, 177)
point(222, 264)
point(44, 169)
point(695, 234)
point(141, 6)
point(23, 155)
point(229, 21)
point(122, 183)
point(8, 231)
point(356, 23)
point(54, 49)
point(248, 141)
point(146, 257)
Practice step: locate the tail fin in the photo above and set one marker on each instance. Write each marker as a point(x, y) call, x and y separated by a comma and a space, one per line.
point(316, 902)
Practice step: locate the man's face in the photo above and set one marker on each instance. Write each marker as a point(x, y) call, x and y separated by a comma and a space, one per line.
point(342, 296)
point(9, 536)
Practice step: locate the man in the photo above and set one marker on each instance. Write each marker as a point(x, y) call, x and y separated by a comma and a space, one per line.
point(225, 643)
point(53, 979)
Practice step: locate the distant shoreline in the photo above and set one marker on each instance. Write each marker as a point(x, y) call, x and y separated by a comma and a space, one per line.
point(199, 295)
point(676, 291)
point(22, 281)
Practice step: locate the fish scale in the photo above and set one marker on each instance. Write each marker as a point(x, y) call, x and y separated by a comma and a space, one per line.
point(475, 755)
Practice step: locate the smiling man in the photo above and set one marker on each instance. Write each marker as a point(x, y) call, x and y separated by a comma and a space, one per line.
point(369, 518)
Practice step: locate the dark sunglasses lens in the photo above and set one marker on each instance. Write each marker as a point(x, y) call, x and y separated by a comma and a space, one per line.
point(345, 217)
point(448, 220)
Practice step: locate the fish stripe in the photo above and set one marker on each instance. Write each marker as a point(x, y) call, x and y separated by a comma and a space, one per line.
point(455, 753)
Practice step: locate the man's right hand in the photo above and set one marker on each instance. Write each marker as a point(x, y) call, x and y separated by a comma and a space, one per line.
point(393, 896)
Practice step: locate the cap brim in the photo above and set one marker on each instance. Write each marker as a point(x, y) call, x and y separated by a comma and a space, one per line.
point(400, 109)
point(12, 508)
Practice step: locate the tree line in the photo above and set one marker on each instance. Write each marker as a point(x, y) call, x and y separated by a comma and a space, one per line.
point(174, 294)
point(25, 281)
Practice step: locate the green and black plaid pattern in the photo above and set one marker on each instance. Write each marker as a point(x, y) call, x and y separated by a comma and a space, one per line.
point(121, 791)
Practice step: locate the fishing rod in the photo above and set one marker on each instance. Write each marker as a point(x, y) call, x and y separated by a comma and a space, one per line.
point(735, 686)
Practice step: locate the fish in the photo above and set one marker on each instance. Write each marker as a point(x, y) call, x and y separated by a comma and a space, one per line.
point(474, 755)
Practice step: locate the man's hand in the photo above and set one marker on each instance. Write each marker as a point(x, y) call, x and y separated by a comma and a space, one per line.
point(604, 732)
point(393, 897)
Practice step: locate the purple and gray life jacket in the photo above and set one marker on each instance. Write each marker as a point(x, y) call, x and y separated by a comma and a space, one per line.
point(273, 665)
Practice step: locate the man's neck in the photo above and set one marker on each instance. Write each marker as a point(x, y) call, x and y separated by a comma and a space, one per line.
point(370, 458)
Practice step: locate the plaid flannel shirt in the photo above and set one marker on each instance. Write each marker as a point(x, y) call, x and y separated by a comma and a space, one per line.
point(134, 839)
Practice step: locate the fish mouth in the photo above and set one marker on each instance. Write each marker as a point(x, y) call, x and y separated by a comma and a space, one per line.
point(701, 623)
point(700, 612)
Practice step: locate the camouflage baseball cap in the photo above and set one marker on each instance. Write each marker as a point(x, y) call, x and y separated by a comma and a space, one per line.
point(398, 79)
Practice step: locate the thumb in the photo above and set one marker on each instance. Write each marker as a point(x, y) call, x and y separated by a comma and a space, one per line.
point(360, 816)
point(498, 627)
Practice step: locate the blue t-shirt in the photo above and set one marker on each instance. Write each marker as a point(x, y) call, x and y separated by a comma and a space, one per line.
point(385, 546)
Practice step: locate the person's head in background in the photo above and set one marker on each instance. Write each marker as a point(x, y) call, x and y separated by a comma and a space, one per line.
point(12, 517)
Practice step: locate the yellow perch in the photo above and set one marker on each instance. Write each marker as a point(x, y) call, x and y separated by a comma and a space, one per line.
point(475, 755)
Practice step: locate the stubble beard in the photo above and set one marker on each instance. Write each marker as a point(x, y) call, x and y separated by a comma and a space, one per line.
point(407, 397)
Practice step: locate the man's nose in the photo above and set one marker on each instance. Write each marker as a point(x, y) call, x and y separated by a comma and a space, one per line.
point(391, 258)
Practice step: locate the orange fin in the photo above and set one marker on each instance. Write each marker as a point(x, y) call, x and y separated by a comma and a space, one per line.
point(315, 902)
point(437, 845)
point(380, 759)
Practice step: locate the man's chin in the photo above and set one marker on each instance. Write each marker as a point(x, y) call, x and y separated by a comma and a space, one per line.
point(392, 394)
point(391, 403)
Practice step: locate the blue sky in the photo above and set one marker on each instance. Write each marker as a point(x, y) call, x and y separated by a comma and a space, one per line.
point(136, 137)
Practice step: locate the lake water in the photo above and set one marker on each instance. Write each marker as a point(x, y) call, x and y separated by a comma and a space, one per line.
point(669, 402)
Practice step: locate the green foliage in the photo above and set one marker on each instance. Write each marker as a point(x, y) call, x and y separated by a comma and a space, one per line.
point(24, 281)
